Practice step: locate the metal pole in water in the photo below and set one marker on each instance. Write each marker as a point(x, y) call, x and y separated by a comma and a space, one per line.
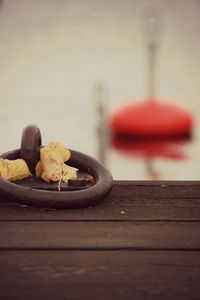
point(100, 100)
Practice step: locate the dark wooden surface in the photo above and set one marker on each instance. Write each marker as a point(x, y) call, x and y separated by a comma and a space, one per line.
point(142, 242)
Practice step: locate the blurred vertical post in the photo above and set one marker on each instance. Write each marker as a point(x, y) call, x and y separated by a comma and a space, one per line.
point(101, 102)
point(152, 48)
point(152, 19)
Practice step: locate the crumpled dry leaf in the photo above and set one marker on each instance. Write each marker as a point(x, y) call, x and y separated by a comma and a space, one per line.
point(51, 166)
point(14, 169)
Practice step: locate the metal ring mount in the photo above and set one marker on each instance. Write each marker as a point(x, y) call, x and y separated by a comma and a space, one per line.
point(57, 199)
point(30, 146)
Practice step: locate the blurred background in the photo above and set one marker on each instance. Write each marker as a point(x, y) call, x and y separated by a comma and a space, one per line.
point(67, 64)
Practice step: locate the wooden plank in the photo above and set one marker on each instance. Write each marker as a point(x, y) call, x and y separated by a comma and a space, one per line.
point(111, 209)
point(158, 189)
point(143, 191)
point(127, 201)
point(113, 275)
point(99, 235)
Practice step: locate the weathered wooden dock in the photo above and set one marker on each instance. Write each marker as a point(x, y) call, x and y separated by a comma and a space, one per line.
point(142, 242)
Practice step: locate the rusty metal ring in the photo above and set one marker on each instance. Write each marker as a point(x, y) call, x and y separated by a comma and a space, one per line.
point(30, 145)
point(62, 199)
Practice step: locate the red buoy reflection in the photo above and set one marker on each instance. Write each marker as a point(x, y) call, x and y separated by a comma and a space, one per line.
point(150, 149)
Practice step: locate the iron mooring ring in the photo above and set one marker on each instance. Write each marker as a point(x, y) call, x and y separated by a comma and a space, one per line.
point(30, 147)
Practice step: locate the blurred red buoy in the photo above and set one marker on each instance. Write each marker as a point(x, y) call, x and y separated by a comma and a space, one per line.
point(151, 118)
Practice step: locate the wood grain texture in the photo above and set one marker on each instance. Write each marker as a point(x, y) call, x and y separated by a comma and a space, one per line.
point(101, 275)
point(158, 189)
point(127, 201)
point(109, 210)
point(142, 242)
point(100, 235)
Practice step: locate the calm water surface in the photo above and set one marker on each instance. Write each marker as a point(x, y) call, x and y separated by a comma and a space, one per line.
point(52, 54)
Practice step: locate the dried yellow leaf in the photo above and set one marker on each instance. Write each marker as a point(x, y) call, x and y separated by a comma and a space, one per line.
point(38, 169)
point(51, 166)
point(14, 169)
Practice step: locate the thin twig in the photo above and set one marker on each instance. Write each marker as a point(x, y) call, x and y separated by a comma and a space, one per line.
point(59, 183)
